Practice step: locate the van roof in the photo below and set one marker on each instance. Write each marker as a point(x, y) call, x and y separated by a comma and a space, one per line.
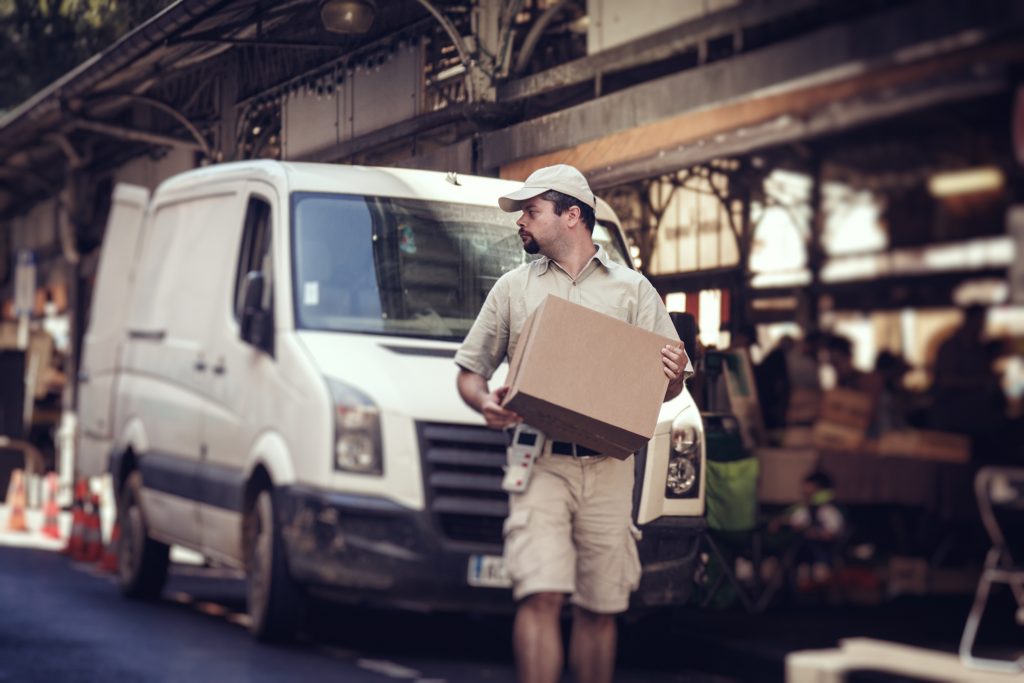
point(364, 180)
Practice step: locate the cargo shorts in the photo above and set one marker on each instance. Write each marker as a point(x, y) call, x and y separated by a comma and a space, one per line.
point(571, 532)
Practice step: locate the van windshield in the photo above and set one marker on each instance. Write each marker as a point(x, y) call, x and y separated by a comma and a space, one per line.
point(384, 265)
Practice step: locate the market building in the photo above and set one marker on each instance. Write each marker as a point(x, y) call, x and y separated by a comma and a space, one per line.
point(797, 164)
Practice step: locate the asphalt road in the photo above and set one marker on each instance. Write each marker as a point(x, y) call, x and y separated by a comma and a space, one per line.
point(62, 621)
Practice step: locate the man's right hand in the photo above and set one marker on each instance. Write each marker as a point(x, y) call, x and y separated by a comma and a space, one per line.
point(496, 416)
point(473, 389)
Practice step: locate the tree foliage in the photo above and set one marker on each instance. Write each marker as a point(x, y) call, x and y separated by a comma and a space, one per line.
point(40, 40)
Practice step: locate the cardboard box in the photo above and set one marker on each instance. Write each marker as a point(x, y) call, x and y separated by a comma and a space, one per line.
point(782, 473)
point(579, 375)
point(928, 444)
point(803, 407)
point(798, 437)
point(833, 436)
point(848, 407)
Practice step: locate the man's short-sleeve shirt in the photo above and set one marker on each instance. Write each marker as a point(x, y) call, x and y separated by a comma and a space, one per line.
point(603, 285)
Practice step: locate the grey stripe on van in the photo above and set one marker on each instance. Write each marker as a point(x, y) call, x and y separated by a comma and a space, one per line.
point(214, 485)
point(421, 351)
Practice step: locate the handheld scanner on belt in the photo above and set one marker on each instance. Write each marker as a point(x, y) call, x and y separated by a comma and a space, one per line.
point(526, 445)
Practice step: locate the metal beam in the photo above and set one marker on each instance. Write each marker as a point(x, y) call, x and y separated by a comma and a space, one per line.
point(783, 129)
point(671, 42)
point(166, 109)
point(123, 133)
point(831, 55)
point(258, 42)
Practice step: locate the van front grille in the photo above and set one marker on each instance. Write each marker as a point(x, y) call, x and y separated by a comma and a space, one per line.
point(462, 469)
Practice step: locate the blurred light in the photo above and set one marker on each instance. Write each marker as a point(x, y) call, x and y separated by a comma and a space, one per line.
point(676, 301)
point(347, 16)
point(967, 181)
point(986, 292)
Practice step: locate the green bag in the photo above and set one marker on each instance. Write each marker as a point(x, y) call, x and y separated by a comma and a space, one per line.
point(732, 494)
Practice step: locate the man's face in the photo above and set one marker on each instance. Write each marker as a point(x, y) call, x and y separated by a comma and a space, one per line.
point(539, 225)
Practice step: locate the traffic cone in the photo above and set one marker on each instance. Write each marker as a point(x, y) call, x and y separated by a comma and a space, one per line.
point(77, 539)
point(92, 537)
point(51, 524)
point(16, 502)
point(108, 562)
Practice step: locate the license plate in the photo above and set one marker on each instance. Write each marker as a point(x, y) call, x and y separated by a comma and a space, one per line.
point(487, 571)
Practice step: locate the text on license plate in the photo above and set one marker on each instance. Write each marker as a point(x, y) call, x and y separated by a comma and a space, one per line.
point(487, 571)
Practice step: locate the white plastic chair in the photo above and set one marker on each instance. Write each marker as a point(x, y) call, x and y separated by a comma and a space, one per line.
point(1000, 492)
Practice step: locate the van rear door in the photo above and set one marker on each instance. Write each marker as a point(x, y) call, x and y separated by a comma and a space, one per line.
point(104, 336)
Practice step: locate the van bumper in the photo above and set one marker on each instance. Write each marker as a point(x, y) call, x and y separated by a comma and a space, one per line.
point(373, 551)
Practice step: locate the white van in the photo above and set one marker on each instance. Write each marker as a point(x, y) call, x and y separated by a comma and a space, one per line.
point(268, 377)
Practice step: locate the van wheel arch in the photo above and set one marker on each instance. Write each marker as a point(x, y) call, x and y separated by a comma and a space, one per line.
point(259, 480)
point(128, 464)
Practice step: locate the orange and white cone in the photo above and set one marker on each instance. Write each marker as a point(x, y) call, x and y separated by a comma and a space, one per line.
point(16, 502)
point(92, 545)
point(108, 562)
point(51, 522)
point(76, 541)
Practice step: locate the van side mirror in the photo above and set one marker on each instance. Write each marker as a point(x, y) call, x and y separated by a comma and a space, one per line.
point(686, 328)
point(257, 324)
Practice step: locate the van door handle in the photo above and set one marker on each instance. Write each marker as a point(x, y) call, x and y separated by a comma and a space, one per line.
point(150, 335)
point(200, 365)
point(219, 368)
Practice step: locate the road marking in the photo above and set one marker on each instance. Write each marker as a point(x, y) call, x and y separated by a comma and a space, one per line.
point(387, 668)
point(240, 619)
point(337, 652)
point(211, 608)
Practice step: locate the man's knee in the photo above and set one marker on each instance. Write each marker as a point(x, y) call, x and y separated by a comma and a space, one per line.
point(592, 619)
point(543, 603)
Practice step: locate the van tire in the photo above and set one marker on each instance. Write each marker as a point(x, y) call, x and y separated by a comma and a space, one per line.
point(141, 562)
point(276, 604)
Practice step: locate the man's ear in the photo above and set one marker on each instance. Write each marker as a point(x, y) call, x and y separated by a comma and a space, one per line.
point(574, 215)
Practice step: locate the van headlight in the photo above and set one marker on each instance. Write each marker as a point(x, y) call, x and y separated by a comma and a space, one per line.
point(684, 454)
point(357, 442)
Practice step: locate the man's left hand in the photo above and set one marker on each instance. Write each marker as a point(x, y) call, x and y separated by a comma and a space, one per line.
point(674, 361)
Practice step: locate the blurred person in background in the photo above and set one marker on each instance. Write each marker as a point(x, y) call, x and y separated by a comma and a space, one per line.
point(839, 351)
point(772, 378)
point(817, 524)
point(966, 394)
point(894, 402)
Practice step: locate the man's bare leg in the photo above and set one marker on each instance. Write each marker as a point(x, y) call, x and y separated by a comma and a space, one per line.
point(592, 646)
point(537, 638)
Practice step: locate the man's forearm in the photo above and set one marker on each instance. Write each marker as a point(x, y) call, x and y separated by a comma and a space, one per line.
point(473, 389)
point(674, 389)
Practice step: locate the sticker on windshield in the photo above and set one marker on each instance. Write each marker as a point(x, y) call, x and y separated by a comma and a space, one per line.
point(311, 293)
point(406, 240)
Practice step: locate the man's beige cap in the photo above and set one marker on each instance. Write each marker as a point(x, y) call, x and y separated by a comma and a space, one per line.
point(560, 177)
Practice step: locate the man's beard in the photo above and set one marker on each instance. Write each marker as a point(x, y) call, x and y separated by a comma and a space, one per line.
point(530, 245)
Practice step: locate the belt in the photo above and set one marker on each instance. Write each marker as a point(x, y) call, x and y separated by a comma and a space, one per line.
point(570, 448)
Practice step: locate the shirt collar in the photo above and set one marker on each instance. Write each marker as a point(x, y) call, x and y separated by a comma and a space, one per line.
point(543, 263)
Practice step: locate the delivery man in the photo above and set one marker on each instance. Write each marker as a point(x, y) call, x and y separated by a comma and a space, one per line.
point(569, 532)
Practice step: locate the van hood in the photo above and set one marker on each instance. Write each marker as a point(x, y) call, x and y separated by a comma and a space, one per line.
point(413, 377)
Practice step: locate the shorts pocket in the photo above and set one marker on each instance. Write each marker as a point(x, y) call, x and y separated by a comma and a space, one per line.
point(516, 542)
point(632, 568)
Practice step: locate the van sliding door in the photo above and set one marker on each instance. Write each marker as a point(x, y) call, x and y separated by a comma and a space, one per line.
point(246, 388)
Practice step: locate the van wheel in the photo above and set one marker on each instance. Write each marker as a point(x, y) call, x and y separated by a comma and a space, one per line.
point(141, 561)
point(276, 603)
